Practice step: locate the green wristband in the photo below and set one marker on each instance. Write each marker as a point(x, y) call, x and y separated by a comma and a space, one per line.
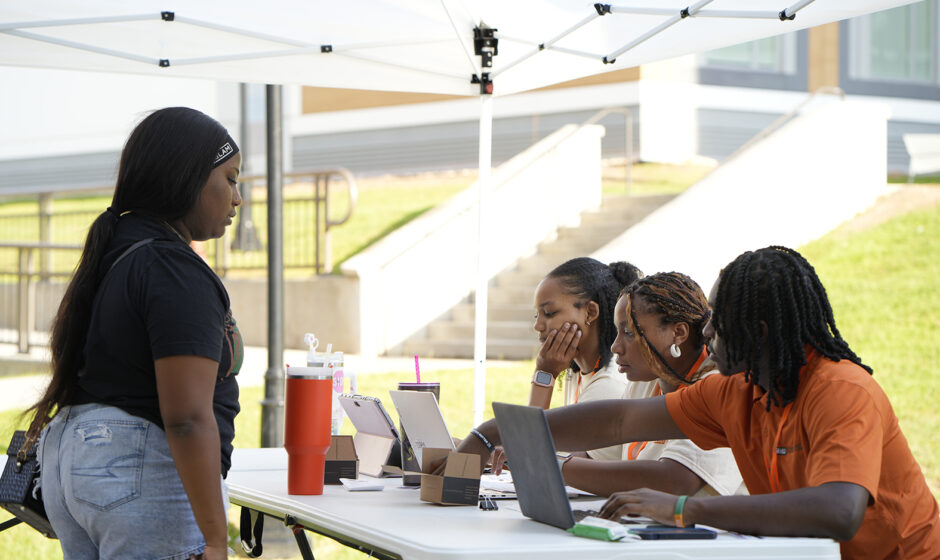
point(680, 505)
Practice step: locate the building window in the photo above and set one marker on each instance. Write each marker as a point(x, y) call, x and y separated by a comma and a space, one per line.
point(894, 53)
point(896, 45)
point(773, 63)
point(773, 54)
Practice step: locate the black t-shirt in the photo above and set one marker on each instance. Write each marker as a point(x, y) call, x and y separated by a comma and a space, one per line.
point(160, 300)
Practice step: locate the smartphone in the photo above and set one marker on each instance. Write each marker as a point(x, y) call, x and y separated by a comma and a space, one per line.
point(663, 533)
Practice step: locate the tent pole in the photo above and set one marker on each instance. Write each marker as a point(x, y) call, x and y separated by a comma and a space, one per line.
point(479, 319)
point(272, 407)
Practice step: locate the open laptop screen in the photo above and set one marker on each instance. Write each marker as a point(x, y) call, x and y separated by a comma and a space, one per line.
point(530, 451)
point(421, 417)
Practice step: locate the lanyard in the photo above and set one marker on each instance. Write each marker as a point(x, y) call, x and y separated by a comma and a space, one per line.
point(577, 392)
point(633, 451)
point(776, 452)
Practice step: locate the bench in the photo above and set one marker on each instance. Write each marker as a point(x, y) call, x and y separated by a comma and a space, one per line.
point(924, 150)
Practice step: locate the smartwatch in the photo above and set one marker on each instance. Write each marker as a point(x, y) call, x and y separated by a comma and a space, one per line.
point(543, 378)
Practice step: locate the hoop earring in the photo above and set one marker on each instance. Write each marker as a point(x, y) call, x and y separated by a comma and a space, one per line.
point(675, 351)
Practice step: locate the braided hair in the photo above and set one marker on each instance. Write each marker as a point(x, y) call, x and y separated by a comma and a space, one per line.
point(591, 280)
point(776, 286)
point(676, 298)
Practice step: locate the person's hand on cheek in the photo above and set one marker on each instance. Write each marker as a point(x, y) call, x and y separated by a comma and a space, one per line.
point(559, 349)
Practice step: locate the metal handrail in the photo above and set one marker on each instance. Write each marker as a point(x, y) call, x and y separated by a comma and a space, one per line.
point(26, 288)
point(628, 144)
point(785, 118)
point(321, 179)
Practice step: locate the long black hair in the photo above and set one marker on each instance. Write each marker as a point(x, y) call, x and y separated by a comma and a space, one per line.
point(164, 165)
point(777, 287)
point(591, 280)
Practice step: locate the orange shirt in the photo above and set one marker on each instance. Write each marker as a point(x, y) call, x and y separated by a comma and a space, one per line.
point(840, 428)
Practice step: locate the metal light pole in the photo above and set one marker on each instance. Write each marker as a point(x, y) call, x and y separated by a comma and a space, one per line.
point(246, 238)
point(272, 407)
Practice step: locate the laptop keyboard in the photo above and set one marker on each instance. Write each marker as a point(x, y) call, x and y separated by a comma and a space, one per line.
point(580, 514)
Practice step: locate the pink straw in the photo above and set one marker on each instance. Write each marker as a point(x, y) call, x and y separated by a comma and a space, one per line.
point(417, 369)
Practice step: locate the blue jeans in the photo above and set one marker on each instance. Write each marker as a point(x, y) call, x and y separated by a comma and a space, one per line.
point(111, 488)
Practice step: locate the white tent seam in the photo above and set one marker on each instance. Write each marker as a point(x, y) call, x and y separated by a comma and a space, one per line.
point(76, 21)
point(460, 39)
point(548, 44)
point(81, 46)
point(690, 11)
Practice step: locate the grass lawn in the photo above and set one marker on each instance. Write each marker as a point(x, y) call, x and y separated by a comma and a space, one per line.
point(384, 204)
point(883, 288)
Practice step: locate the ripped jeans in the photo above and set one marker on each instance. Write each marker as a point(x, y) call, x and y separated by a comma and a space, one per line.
point(111, 488)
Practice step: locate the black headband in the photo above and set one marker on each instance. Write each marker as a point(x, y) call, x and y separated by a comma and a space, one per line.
point(226, 151)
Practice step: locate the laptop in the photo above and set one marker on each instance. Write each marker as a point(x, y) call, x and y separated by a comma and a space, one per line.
point(540, 487)
point(422, 420)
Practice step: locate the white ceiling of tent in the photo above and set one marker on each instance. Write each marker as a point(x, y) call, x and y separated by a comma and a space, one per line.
point(398, 45)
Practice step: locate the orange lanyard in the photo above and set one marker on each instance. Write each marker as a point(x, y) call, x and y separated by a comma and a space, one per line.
point(633, 451)
point(775, 453)
point(637, 446)
point(577, 391)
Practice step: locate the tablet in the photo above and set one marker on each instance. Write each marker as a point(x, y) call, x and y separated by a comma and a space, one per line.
point(376, 438)
point(368, 415)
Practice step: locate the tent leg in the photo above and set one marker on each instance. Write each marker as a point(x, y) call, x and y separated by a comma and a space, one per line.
point(479, 320)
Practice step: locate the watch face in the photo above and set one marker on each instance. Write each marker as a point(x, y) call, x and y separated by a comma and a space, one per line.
point(543, 378)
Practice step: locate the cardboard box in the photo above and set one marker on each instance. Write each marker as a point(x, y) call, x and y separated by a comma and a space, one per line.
point(460, 484)
point(341, 460)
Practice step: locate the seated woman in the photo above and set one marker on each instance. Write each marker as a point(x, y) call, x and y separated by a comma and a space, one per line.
point(660, 347)
point(814, 436)
point(574, 307)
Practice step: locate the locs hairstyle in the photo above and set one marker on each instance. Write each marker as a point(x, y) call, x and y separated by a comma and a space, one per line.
point(676, 298)
point(777, 287)
point(591, 280)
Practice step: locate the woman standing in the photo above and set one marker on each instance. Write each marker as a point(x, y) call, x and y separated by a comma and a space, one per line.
point(145, 351)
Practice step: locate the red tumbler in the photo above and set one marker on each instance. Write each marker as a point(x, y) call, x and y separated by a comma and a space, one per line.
point(307, 417)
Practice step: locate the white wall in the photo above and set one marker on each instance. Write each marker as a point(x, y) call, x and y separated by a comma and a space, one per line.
point(792, 187)
point(424, 268)
point(55, 112)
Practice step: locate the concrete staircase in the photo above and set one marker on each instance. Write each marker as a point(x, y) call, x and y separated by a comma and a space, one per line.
point(509, 326)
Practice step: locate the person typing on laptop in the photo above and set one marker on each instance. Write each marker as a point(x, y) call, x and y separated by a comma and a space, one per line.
point(815, 437)
point(659, 345)
point(659, 321)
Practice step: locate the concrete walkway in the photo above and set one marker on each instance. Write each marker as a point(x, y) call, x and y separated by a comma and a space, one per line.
point(20, 391)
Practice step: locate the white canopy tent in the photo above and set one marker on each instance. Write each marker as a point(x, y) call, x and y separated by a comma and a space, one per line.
point(395, 45)
point(479, 48)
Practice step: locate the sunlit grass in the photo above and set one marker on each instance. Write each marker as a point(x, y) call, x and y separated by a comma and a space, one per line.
point(883, 286)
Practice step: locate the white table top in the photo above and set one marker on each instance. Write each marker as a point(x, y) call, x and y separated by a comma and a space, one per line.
point(396, 522)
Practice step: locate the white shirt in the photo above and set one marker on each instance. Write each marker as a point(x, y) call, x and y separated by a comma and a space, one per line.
point(606, 383)
point(716, 467)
